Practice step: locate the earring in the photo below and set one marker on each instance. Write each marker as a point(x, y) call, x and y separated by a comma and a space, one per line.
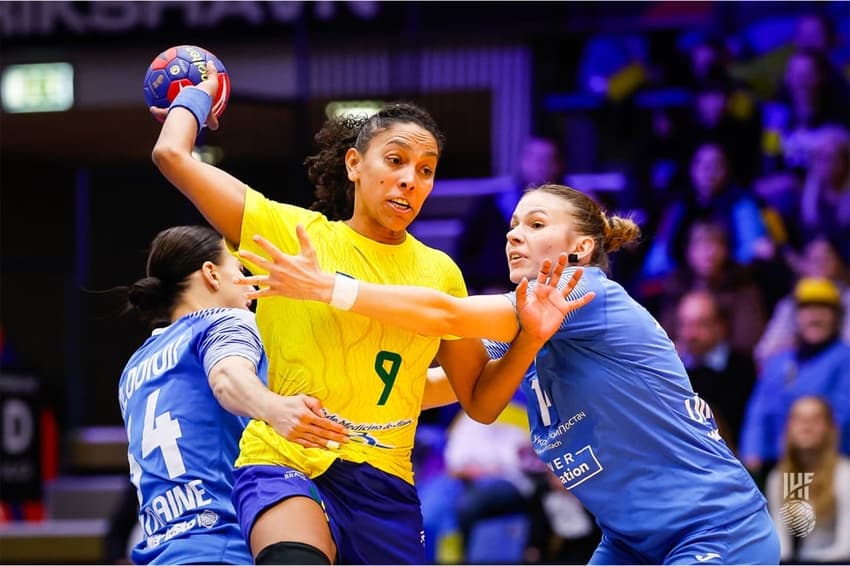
point(572, 259)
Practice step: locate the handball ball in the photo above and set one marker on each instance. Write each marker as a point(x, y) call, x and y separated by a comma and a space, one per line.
point(182, 66)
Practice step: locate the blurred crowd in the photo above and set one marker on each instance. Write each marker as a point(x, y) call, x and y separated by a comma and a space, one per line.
point(742, 189)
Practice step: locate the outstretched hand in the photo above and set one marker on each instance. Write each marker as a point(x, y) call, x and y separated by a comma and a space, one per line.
point(543, 310)
point(294, 276)
point(209, 86)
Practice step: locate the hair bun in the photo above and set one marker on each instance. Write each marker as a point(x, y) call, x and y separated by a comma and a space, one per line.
point(146, 293)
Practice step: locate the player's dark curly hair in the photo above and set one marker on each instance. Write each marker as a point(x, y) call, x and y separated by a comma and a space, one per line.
point(326, 169)
point(175, 254)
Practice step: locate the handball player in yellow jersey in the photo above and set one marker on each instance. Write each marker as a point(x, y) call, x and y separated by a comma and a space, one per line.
point(350, 500)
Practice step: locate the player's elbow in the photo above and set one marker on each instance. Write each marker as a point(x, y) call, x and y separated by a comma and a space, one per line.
point(438, 316)
point(449, 317)
point(221, 382)
point(166, 155)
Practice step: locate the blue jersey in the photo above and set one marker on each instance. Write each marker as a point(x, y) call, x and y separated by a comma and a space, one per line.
point(613, 415)
point(182, 442)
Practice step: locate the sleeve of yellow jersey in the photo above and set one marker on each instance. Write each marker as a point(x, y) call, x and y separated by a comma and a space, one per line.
point(274, 221)
point(454, 285)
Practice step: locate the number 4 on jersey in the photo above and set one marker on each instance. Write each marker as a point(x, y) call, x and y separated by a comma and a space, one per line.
point(162, 432)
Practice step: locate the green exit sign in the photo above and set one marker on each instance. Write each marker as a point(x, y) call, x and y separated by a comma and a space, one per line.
point(42, 87)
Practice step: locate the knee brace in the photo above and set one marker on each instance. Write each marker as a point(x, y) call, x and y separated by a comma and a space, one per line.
point(291, 553)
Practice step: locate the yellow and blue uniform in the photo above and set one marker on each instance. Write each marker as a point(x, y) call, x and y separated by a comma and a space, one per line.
point(368, 375)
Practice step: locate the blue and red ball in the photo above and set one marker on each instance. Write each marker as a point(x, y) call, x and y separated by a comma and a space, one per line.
point(182, 66)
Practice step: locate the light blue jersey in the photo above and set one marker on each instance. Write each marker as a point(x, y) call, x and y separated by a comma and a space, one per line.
point(612, 413)
point(182, 443)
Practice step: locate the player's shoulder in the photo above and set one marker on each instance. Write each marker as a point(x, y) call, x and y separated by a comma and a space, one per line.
point(259, 205)
point(593, 279)
point(222, 315)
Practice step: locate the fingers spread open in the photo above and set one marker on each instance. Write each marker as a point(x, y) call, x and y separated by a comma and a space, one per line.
point(274, 253)
point(258, 293)
point(261, 280)
point(545, 270)
point(306, 245)
point(521, 298)
point(574, 279)
point(257, 260)
point(559, 268)
point(580, 302)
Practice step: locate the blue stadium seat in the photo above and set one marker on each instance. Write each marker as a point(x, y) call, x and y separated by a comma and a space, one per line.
point(500, 540)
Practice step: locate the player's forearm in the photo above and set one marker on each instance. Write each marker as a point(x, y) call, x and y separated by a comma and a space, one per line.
point(433, 313)
point(219, 196)
point(176, 139)
point(421, 310)
point(500, 379)
point(438, 390)
point(237, 388)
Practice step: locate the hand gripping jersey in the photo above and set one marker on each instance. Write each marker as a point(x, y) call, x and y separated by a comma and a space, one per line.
point(613, 415)
point(369, 376)
point(182, 443)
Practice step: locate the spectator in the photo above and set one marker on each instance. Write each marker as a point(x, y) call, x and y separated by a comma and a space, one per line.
point(721, 109)
point(803, 105)
point(706, 55)
point(825, 200)
point(815, 32)
point(713, 196)
point(725, 112)
point(818, 365)
point(576, 534)
point(721, 375)
point(709, 267)
point(811, 447)
point(491, 470)
point(820, 259)
point(481, 249)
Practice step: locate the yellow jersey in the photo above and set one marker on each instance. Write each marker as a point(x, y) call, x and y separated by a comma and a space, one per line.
point(368, 375)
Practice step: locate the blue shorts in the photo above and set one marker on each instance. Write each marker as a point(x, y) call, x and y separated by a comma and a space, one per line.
point(751, 540)
point(374, 517)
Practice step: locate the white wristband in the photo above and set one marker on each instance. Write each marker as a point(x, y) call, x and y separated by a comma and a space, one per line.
point(344, 292)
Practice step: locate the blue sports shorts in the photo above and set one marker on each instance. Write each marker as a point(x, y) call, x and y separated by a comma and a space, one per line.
point(750, 540)
point(374, 517)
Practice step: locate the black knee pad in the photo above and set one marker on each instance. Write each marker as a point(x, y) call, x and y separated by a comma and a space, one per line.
point(291, 553)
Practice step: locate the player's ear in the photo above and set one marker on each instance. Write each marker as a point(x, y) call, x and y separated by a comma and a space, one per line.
point(352, 164)
point(584, 248)
point(211, 276)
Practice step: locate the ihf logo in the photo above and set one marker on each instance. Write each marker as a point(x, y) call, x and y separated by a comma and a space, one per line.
point(797, 513)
